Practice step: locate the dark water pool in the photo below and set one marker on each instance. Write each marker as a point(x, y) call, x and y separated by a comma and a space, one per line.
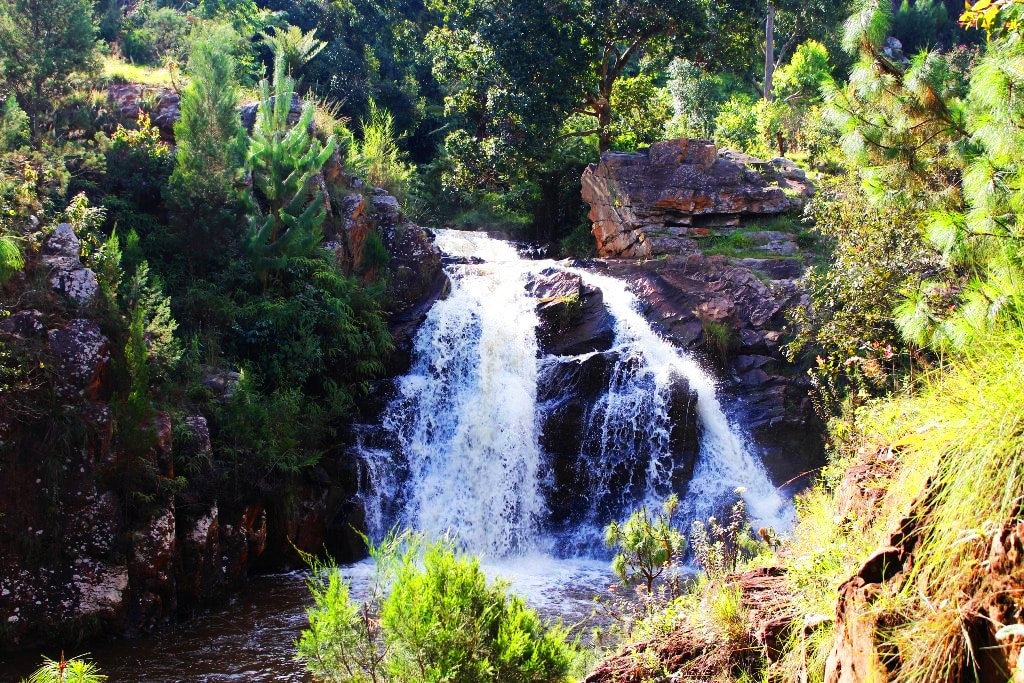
point(251, 638)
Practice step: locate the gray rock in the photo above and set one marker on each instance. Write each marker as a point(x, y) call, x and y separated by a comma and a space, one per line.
point(61, 254)
point(27, 323)
point(83, 355)
point(221, 382)
point(386, 207)
point(573, 317)
point(63, 242)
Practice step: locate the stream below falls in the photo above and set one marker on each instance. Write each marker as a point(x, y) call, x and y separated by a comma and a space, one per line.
point(458, 453)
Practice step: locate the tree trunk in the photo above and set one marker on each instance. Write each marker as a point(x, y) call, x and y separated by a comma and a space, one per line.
point(769, 51)
point(603, 107)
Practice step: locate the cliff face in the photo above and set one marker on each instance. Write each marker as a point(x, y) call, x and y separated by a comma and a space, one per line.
point(709, 241)
point(654, 201)
point(86, 549)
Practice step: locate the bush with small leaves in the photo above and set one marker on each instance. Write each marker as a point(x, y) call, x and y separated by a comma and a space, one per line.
point(646, 544)
point(432, 616)
point(719, 549)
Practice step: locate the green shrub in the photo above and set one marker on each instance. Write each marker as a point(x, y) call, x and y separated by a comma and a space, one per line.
point(156, 35)
point(295, 47)
point(264, 435)
point(718, 549)
point(444, 622)
point(645, 545)
point(14, 126)
point(640, 110)
point(378, 158)
point(439, 620)
point(697, 95)
point(875, 253)
point(138, 166)
point(375, 254)
point(736, 123)
point(206, 185)
point(579, 243)
point(718, 338)
point(11, 258)
point(919, 25)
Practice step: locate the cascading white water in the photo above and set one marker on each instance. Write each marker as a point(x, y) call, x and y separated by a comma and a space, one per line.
point(726, 462)
point(462, 455)
point(465, 415)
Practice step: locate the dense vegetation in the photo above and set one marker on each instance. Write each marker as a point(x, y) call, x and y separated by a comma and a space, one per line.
point(482, 114)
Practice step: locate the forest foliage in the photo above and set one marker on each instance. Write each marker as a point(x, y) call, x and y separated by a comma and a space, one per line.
point(483, 114)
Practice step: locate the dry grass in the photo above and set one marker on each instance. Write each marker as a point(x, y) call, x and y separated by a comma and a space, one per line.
point(117, 71)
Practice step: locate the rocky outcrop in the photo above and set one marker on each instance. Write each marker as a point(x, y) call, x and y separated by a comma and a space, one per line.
point(128, 100)
point(372, 239)
point(573, 317)
point(68, 276)
point(722, 285)
point(642, 204)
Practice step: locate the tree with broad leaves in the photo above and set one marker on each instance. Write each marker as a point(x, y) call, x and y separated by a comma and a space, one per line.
point(565, 58)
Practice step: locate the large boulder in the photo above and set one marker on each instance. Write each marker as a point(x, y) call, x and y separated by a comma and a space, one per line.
point(83, 358)
point(669, 191)
point(572, 314)
point(68, 276)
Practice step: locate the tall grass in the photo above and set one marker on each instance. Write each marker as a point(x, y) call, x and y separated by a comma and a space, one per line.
point(378, 156)
point(965, 430)
point(118, 71)
point(959, 476)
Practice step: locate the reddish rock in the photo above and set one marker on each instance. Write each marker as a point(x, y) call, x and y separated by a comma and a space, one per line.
point(672, 185)
point(200, 568)
point(151, 569)
point(128, 100)
point(163, 449)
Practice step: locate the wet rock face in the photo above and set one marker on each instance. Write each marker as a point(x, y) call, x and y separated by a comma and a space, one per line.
point(681, 295)
point(416, 279)
point(670, 190)
point(570, 400)
point(572, 314)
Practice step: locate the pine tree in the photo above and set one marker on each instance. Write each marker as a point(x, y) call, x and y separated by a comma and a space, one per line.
point(43, 44)
point(211, 146)
point(294, 46)
point(944, 139)
point(288, 213)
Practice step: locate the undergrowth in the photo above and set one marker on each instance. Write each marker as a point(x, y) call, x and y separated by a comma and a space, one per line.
point(958, 473)
point(948, 463)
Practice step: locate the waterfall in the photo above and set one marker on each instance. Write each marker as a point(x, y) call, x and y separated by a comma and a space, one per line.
point(465, 415)
point(459, 450)
point(726, 462)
